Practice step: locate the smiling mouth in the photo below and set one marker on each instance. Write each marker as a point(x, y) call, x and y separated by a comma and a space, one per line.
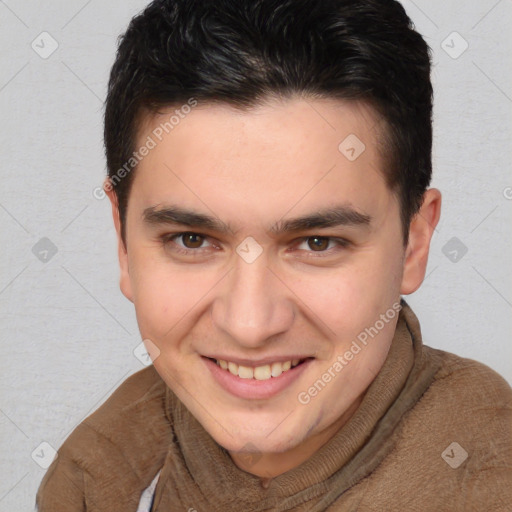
point(265, 372)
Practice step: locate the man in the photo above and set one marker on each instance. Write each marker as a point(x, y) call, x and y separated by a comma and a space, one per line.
point(269, 164)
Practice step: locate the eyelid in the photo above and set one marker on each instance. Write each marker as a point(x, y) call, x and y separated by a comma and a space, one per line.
point(341, 244)
point(170, 237)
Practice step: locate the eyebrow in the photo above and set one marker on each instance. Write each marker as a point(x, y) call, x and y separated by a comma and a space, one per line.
point(341, 215)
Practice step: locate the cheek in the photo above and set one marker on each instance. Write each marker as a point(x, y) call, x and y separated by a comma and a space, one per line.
point(166, 298)
point(352, 295)
point(346, 304)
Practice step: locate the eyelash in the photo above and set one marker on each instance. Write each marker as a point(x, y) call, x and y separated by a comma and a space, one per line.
point(165, 239)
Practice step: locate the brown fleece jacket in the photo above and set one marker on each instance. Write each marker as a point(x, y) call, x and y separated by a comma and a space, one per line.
point(433, 433)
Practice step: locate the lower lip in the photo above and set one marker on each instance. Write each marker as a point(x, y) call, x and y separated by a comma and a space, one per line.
point(252, 388)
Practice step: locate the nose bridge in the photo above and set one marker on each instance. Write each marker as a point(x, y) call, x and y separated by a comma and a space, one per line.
point(252, 306)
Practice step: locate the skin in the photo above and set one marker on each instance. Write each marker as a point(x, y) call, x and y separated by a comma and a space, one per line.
point(302, 295)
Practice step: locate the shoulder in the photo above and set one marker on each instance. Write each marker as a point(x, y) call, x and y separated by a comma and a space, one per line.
point(128, 420)
point(114, 452)
point(456, 440)
point(466, 395)
point(462, 426)
point(140, 394)
point(467, 381)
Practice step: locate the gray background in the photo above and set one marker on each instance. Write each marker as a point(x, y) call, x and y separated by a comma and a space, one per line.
point(68, 335)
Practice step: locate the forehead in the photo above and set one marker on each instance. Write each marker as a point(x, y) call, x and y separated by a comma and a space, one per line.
point(270, 120)
point(279, 155)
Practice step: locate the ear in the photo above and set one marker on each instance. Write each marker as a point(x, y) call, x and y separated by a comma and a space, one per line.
point(125, 282)
point(420, 233)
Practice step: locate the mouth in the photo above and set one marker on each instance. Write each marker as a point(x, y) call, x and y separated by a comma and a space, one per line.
point(259, 382)
point(263, 372)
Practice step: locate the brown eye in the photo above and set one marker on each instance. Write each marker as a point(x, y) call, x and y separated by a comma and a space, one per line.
point(318, 243)
point(192, 240)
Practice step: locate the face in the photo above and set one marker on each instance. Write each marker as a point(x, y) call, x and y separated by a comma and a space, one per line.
point(256, 239)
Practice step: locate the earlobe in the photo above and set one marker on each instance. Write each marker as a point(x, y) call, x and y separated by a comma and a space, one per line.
point(125, 282)
point(420, 234)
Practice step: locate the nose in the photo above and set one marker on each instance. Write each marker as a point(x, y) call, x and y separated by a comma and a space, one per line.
point(253, 305)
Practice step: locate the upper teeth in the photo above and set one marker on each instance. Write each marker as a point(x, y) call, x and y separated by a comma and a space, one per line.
point(260, 372)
